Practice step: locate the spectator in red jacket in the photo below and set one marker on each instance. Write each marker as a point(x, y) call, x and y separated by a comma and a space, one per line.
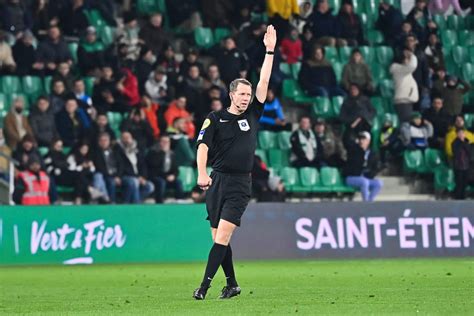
point(128, 87)
point(291, 47)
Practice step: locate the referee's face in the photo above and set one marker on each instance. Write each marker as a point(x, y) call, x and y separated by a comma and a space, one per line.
point(241, 97)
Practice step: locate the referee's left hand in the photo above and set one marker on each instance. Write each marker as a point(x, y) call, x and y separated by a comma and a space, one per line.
point(204, 181)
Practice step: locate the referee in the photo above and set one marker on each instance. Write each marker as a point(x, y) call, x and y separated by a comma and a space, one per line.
point(228, 138)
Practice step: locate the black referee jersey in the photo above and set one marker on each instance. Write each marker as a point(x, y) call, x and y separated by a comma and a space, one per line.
point(232, 139)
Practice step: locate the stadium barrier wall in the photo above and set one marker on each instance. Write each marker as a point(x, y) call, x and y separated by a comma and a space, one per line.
point(171, 233)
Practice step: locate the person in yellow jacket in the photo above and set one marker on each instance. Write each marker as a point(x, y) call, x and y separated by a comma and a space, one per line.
point(451, 136)
point(280, 12)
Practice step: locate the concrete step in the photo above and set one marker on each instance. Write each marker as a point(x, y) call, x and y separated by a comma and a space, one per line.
point(394, 186)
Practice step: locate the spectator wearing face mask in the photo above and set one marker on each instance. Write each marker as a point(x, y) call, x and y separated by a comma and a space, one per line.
point(16, 124)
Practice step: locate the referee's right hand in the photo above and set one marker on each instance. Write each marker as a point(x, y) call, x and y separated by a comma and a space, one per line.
point(204, 181)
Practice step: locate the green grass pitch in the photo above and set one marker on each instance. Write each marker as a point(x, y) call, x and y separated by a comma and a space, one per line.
point(363, 287)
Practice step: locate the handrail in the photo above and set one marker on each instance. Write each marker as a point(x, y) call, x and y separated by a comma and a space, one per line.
point(11, 169)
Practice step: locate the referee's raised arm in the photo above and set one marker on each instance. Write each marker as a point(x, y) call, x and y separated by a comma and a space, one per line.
point(269, 40)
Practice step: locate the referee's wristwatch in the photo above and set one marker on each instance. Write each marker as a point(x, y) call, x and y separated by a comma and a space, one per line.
point(270, 52)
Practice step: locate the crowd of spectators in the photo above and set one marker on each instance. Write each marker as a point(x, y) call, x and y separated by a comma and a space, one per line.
point(154, 76)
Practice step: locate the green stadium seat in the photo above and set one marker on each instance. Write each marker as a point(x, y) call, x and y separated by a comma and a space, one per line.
point(95, 18)
point(278, 158)
point(449, 38)
point(331, 54)
point(468, 72)
point(444, 179)
point(470, 22)
point(466, 38)
point(4, 105)
point(367, 23)
point(162, 6)
point(187, 177)
point(309, 177)
point(262, 154)
point(386, 88)
point(33, 87)
point(456, 22)
point(322, 108)
point(371, 7)
point(374, 37)
point(378, 104)
point(47, 84)
point(459, 54)
point(107, 35)
point(292, 90)
point(440, 21)
point(358, 7)
point(395, 3)
point(414, 161)
point(283, 139)
point(295, 70)
point(471, 54)
point(469, 120)
point(286, 69)
point(334, 4)
point(345, 54)
point(10, 84)
point(393, 117)
point(221, 33)
point(338, 67)
point(43, 151)
point(289, 176)
point(331, 178)
point(384, 55)
point(203, 37)
point(379, 72)
point(337, 104)
point(89, 83)
point(73, 47)
point(368, 53)
point(433, 159)
point(267, 140)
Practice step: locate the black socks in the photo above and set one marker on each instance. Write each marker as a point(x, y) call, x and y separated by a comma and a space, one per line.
point(228, 267)
point(216, 256)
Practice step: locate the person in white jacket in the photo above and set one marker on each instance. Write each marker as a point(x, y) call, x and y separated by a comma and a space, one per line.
point(406, 89)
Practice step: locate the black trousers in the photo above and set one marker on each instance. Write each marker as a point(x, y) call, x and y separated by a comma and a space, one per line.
point(461, 177)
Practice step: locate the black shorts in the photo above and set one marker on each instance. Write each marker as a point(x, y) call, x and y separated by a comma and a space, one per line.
point(228, 197)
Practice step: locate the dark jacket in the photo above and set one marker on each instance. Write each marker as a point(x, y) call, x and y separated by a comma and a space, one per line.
point(461, 158)
point(101, 163)
point(155, 162)
point(352, 108)
point(58, 167)
point(389, 23)
point(324, 24)
point(24, 57)
point(317, 74)
point(15, 18)
point(230, 63)
point(126, 167)
point(351, 28)
point(155, 38)
point(22, 156)
point(73, 20)
point(43, 125)
point(49, 52)
point(69, 132)
point(356, 164)
point(422, 71)
point(141, 132)
point(440, 121)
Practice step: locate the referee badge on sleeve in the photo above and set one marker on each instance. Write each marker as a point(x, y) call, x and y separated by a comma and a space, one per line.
point(243, 125)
